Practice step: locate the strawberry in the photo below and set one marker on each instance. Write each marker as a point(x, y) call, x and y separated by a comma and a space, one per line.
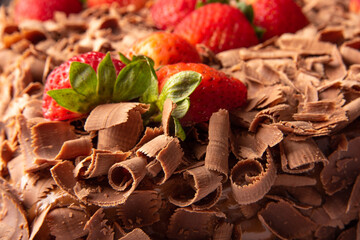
point(137, 4)
point(165, 48)
point(215, 91)
point(168, 13)
point(278, 17)
point(43, 10)
point(77, 86)
point(354, 6)
point(218, 26)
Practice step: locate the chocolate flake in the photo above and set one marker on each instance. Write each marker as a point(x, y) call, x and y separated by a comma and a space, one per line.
point(136, 234)
point(98, 228)
point(285, 221)
point(140, 209)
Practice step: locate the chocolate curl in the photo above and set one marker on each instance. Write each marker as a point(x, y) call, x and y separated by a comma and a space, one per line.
point(166, 152)
point(67, 223)
point(13, 222)
point(189, 224)
point(285, 221)
point(140, 209)
point(38, 222)
point(101, 161)
point(197, 184)
point(350, 51)
point(354, 200)
point(300, 156)
point(119, 124)
point(250, 182)
point(217, 151)
point(97, 227)
point(128, 173)
point(136, 234)
point(166, 119)
point(149, 134)
point(63, 175)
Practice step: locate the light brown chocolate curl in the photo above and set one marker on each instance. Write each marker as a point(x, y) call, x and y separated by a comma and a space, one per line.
point(125, 176)
point(285, 221)
point(67, 223)
point(250, 181)
point(166, 120)
point(217, 151)
point(140, 209)
point(101, 161)
point(167, 153)
point(119, 125)
point(98, 228)
point(300, 156)
point(200, 187)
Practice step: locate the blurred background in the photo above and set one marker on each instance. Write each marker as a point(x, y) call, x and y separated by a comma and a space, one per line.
point(4, 2)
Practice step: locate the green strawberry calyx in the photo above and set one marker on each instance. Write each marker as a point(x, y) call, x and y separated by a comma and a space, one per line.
point(248, 11)
point(90, 89)
point(201, 3)
point(178, 88)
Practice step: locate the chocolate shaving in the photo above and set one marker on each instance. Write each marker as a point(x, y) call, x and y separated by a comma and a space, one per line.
point(167, 152)
point(300, 156)
point(125, 176)
point(167, 122)
point(250, 181)
point(294, 180)
point(119, 125)
point(197, 184)
point(223, 231)
point(66, 223)
point(354, 198)
point(342, 169)
point(98, 228)
point(285, 221)
point(136, 234)
point(101, 161)
point(13, 223)
point(140, 209)
point(217, 151)
point(188, 224)
point(149, 134)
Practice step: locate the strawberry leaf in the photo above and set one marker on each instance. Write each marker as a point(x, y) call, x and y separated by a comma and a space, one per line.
point(181, 108)
point(151, 94)
point(71, 100)
point(83, 78)
point(247, 10)
point(179, 86)
point(124, 59)
point(179, 131)
point(106, 78)
point(132, 81)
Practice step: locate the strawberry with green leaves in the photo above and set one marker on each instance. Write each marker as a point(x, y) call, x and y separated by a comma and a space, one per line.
point(74, 88)
point(278, 16)
point(137, 4)
point(198, 90)
point(218, 26)
point(354, 6)
point(165, 48)
point(43, 10)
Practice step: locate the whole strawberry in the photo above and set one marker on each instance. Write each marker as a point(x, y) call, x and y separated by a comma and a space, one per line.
point(278, 17)
point(168, 13)
point(59, 79)
point(43, 10)
point(354, 6)
point(218, 26)
point(137, 4)
point(165, 48)
point(215, 91)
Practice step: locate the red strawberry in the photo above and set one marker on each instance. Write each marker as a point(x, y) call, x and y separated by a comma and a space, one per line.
point(122, 3)
point(168, 13)
point(165, 48)
point(278, 17)
point(59, 79)
point(354, 6)
point(219, 26)
point(44, 9)
point(216, 90)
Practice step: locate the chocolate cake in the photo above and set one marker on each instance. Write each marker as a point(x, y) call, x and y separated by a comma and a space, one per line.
point(285, 166)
